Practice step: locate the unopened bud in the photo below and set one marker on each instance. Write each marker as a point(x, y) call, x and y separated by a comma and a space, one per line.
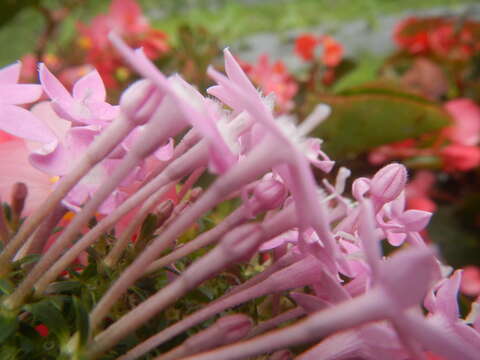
point(270, 194)
point(415, 220)
point(387, 184)
point(195, 193)
point(242, 242)
point(19, 195)
point(139, 101)
point(360, 187)
point(164, 211)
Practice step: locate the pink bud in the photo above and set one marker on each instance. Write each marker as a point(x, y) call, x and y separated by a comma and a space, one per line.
point(270, 194)
point(309, 303)
point(360, 187)
point(388, 182)
point(415, 220)
point(242, 242)
point(136, 101)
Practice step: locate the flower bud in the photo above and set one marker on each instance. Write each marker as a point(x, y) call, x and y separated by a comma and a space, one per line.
point(360, 187)
point(242, 242)
point(270, 194)
point(139, 101)
point(388, 182)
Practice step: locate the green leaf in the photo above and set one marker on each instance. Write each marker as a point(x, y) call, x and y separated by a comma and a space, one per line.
point(82, 321)
point(369, 117)
point(6, 287)
point(8, 325)
point(47, 312)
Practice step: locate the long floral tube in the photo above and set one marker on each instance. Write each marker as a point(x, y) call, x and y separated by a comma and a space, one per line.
point(114, 255)
point(142, 148)
point(356, 312)
point(209, 237)
point(239, 244)
point(299, 273)
point(272, 323)
point(36, 243)
point(226, 330)
point(258, 162)
point(346, 315)
point(175, 171)
point(100, 148)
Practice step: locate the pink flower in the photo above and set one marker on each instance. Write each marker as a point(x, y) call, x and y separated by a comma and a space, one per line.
point(460, 157)
point(14, 119)
point(471, 280)
point(274, 78)
point(466, 117)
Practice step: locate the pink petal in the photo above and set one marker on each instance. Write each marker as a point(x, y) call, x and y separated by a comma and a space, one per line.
point(446, 299)
point(53, 159)
point(15, 167)
point(165, 152)
point(44, 112)
point(415, 220)
point(235, 72)
point(10, 74)
point(471, 280)
point(89, 87)
point(17, 94)
point(22, 123)
point(54, 88)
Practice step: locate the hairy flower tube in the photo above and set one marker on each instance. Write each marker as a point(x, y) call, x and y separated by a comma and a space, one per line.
point(137, 254)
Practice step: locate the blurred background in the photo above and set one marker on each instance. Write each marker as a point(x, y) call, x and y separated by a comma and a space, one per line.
point(402, 78)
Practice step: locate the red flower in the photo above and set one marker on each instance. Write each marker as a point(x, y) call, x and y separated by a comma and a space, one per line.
point(471, 281)
point(465, 129)
point(305, 46)
point(42, 330)
point(408, 36)
point(332, 51)
point(460, 157)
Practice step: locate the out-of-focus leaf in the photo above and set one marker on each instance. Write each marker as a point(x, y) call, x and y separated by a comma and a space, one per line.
point(366, 117)
point(8, 324)
point(10, 8)
point(364, 71)
point(82, 322)
point(458, 245)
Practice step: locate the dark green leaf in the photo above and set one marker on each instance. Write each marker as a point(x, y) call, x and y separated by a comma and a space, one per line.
point(82, 321)
point(362, 121)
point(8, 325)
point(47, 313)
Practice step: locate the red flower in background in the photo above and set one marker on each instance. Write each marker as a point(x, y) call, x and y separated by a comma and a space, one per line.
point(445, 37)
point(126, 19)
point(471, 281)
point(332, 51)
point(273, 78)
point(305, 46)
point(457, 157)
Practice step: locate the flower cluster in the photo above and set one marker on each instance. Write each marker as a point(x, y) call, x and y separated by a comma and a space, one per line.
point(440, 36)
point(348, 299)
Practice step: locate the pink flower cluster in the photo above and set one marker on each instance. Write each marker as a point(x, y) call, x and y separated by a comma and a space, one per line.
point(359, 304)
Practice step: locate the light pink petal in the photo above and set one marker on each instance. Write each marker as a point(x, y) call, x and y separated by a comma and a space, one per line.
point(22, 123)
point(165, 152)
point(14, 167)
point(103, 111)
point(54, 88)
point(236, 73)
point(314, 153)
point(408, 275)
point(45, 112)
point(17, 94)
point(446, 299)
point(415, 220)
point(10, 74)
point(53, 159)
point(112, 202)
point(90, 87)
point(396, 239)
point(78, 139)
point(288, 237)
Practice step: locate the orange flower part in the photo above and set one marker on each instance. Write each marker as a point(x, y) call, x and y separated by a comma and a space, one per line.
point(332, 51)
